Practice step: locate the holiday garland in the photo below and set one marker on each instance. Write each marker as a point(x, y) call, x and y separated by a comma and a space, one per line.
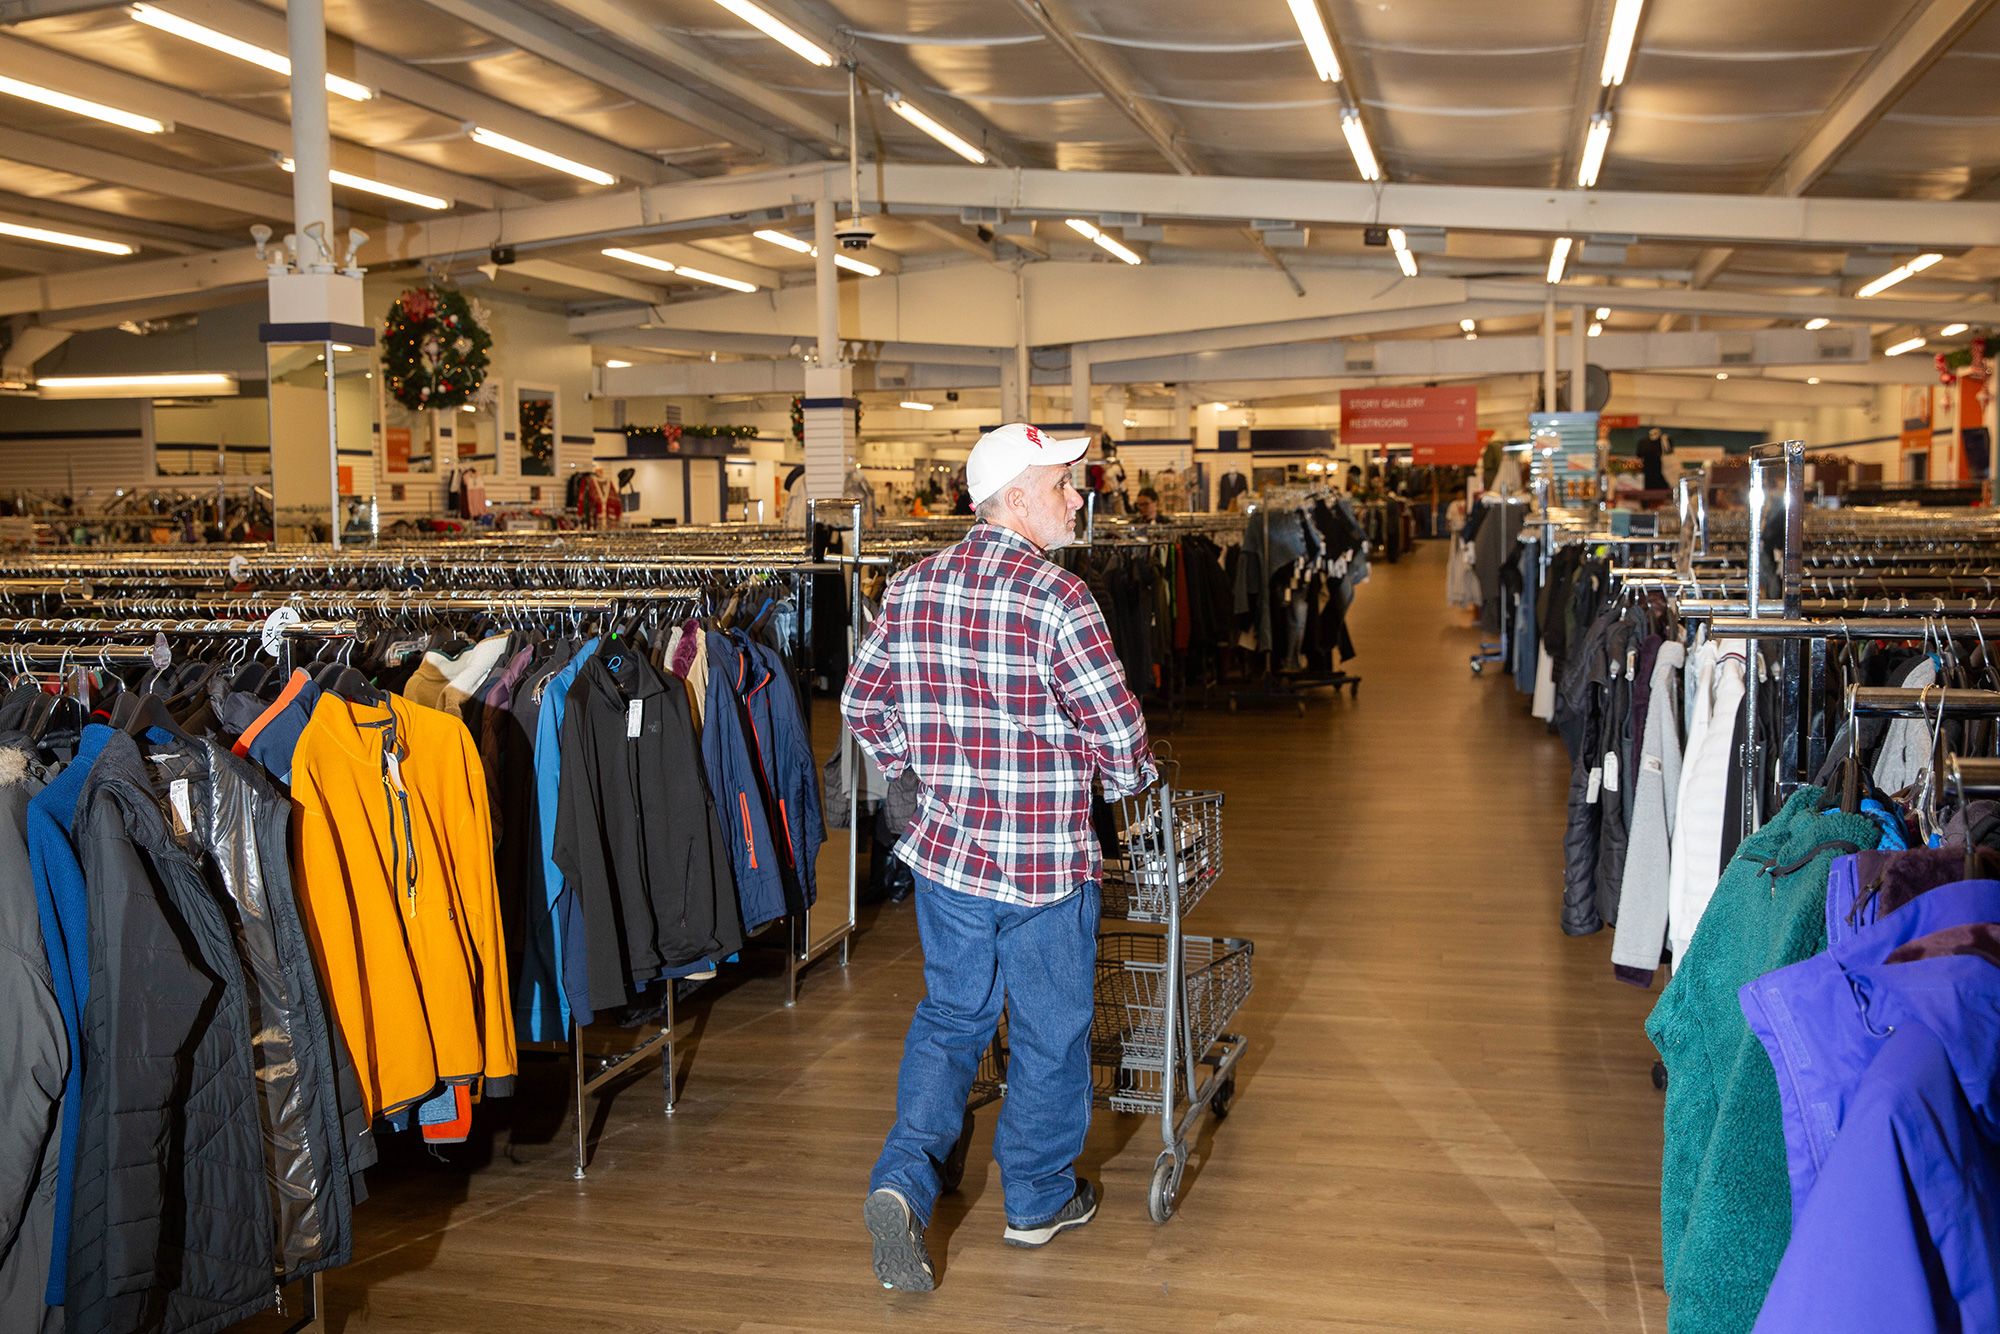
point(1969, 361)
point(671, 433)
point(434, 346)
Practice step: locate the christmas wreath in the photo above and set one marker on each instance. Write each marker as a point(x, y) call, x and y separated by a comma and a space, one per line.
point(434, 346)
point(799, 417)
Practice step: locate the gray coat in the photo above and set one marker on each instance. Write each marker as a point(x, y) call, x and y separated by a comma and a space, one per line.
point(37, 1060)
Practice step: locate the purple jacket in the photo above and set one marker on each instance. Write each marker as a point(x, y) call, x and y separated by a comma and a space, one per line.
point(1887, 1055)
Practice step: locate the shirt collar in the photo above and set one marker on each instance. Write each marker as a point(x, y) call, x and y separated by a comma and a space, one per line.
point(1006, 537)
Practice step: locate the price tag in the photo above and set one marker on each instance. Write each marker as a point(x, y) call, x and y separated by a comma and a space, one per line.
point(275, 626)
point(1596, 784)
point(1610, 771)
point(635, 714)
point(182, 805)
point(393, 766)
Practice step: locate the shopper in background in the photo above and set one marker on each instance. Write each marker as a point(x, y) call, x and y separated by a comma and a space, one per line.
point(1146, 508)
point(990, 673)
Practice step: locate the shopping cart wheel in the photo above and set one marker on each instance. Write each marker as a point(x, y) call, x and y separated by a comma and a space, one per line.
point(1659, 1075)
point(1225, 1094)
point(1166, 1184)
point(953, 1171)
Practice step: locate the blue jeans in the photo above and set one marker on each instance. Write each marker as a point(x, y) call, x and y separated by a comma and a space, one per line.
point(1042, 963)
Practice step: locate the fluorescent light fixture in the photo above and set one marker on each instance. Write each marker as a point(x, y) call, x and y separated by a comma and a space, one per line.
point(644, 261)
point(785, 239)
point(343, 347)
point(704, 276)
point(1618, 46)
point(1953, 330)
point(616, 365)
point(242, 50)
point(21, 232)
point(918, 118)
point(1812, 379)
point(468, 407)
point(778, 32)
point(1357, 143)
point(482, 135)
point(1722, 375)
point(1907, 345)
point(1604, 312)
point(1220, 407)
point(1406, 260)
point(1083, 227)
point(798, 247)
point(1467, 325)
point(1819, 323)
point(49, 97)
point(1596, 329)
point(1888, 280)
point(135, 386)
point(1594, 144)
point(1318, 41)
point(1471, 336)
point(1559, 258)
point(382, 188)
point(915, 406)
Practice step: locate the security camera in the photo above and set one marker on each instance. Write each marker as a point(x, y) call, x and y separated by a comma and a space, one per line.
point(854, 234)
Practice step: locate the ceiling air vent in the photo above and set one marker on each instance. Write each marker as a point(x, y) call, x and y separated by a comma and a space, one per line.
point(1835, 345)
point(1735, 349)
point(1360, 356)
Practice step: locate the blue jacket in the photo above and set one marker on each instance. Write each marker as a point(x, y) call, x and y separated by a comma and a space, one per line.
point(62, 903)
point(790, 772)
point(1889, 1073)
point(552, 989)
point(736, 783)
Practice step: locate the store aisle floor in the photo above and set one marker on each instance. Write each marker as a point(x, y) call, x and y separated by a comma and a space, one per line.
point(1444, 1121)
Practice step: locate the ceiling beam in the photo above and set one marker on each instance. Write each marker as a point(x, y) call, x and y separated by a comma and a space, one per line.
point(1845, 310)
point(40, 64)
point(407, 83)
point(1930, 31)
point(586, 280)
point(20, 11)
point(561, 44)
point(959, 238)
point(134, 174)
point(1589, 90)
point(162, 238)
point(137, 280)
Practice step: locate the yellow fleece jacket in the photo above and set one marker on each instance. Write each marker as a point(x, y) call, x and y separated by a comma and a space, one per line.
point(399, 897)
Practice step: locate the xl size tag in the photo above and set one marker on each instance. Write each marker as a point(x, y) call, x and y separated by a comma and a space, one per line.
point(181, 802)
point(635, 715)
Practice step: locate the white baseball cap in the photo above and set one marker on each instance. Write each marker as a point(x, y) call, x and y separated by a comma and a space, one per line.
point(1004, 452)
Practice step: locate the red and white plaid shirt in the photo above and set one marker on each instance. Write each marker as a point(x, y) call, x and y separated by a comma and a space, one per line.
point(990, 672)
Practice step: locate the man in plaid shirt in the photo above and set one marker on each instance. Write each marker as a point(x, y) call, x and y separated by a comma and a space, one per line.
point(991, 674)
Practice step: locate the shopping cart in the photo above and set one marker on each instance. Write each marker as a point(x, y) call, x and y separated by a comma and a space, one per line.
point(1164, 999)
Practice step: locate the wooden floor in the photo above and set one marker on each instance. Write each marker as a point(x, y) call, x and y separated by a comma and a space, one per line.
point(1444, 1121)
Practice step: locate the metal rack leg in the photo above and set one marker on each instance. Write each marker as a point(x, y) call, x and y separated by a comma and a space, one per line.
point(667, 1065)
point(582, 1128)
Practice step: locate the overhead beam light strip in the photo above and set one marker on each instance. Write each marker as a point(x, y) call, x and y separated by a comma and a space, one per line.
point(1594, 143)
point(1877, 286)
point(1112, 244)
point(1618, 46)
point(1559, 257)
point(82, 106)
point(681, 270)
point(1357, 143)
point(382, 188)
point(1907, 345)
point(274, 61)
point(1404, 259)
point(778, 31)
point(954, 142)
point(1319, 42)
point(21, 232)
point(141, 386)
point(798, 247)
point(490, 139)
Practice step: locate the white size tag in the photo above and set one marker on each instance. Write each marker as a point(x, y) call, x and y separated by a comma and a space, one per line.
point(1610, 771)
point(182, 803)
point(394, 768)
point(1596, 783)
point(1632, 662)
point(635, 713)
point(1652, 764)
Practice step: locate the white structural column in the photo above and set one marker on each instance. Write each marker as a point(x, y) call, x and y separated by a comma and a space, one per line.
point(1013, 407)
point(1115, 399)
point(1577, 361)
point(829, 388)
point(1079, 384)
point(1549, 354)
point(1183, 424)
point(1023, 377)
point(312, 193)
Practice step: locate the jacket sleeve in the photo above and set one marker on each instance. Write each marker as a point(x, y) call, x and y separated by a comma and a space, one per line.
point(327, 910)
point(1089, 684)
point(479, 906)
point(869, 701)
point(31, 1033)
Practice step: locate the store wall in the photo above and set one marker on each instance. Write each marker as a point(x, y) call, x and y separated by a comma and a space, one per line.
point(83, 449)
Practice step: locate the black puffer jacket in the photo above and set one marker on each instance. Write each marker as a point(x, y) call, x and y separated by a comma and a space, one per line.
point(1579, 717)
point(211, 1162)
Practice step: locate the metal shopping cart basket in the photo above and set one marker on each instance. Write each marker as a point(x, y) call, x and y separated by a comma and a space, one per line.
point(1159, 1044)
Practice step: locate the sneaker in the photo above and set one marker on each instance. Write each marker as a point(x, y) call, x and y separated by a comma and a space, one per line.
point(901, 1260)
point(1082, 1207)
